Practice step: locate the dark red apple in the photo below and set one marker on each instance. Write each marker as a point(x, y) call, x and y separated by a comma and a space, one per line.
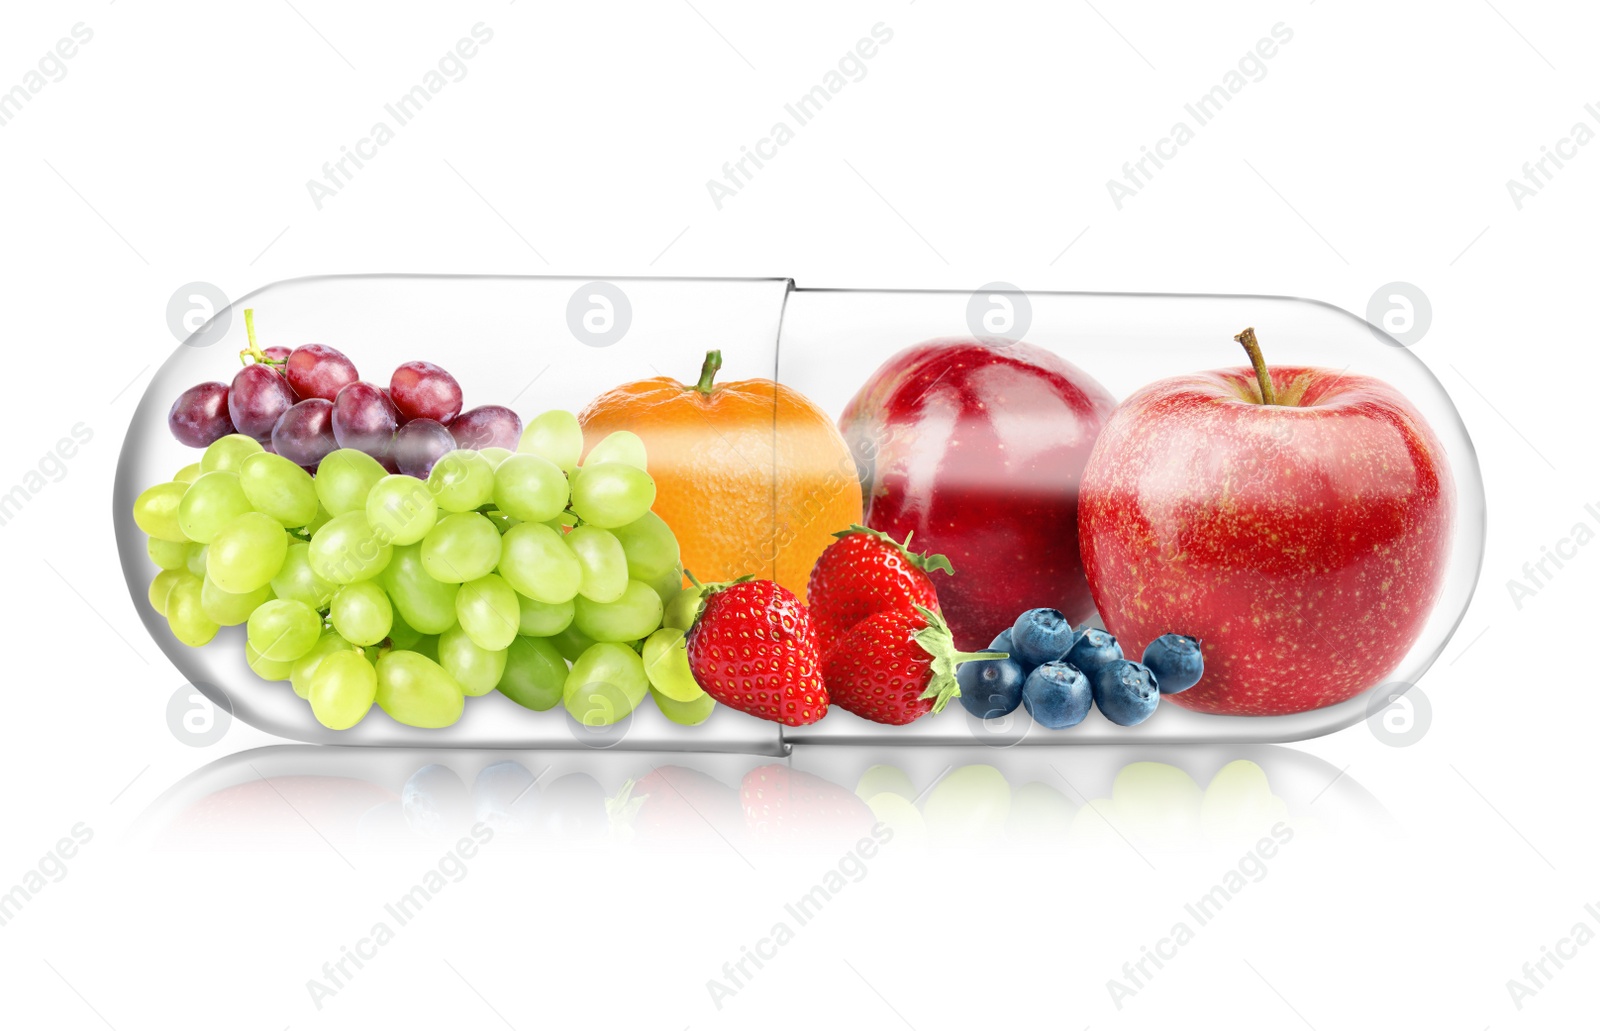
point(977, 446)
point(1296, 520)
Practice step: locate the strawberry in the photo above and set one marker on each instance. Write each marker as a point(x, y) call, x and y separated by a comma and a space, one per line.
point(867, 571)
point(752, 648)
point(895, 666)
point(784, 804)
point(677, 803)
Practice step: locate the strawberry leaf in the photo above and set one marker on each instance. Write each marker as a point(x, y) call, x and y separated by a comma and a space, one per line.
point(707, 590)
point(924, 562)
point(937, 640)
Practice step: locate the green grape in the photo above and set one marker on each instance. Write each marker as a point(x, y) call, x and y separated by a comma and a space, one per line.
point(603, 564)
point(266, 669)
point(297, 581)
point(612, 494)
point(604, 685)
point(688, 714)
point(668, 585)
point(416, 691)
point(279, 488)
point(230, 609)
point(227, 454)
point(496, 455)
point(536, 562)
point(539, 619)
point(683, 608)
point(189, 473)
point(342, 690)
point(195, 560)
point(156, 511)
point(348, 550)
point(185, 615)
point(402, 508)
point(162, 586)
point(476, 668)
point(651, 548)
point(666, 663)
point(632, 617)
point(461, 547)
point(419, 599)
point(401, 635)
point(530, 488)
point(488, 611)
point(304, 668)
point(321, 519)
point(571, 643)
point(620, 446)
point(461, 481)
point(427, 646)
point(166, 554)
point(554, 436)
point(283, 630)
point(535, 674)
point(210, 503)
point(344, 478)
point(361, 613)
point(247, 553)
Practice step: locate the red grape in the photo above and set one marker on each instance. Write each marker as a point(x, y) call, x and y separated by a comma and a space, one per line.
point(419, 444)
point(422, 390)
point(400, 417)
point(317, 370)
point(364, 419)
point(278, 354)
point(256, 399)
point(200, 415)
point(487, 426)
point(304, 433)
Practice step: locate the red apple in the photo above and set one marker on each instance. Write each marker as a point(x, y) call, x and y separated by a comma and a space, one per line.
point(1303, 539)
point(976, 447)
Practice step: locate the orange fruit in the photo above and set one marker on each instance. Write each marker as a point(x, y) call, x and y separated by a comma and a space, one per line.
point(751, 476)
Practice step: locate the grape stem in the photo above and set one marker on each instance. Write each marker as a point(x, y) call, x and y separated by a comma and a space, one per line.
point(254, 352)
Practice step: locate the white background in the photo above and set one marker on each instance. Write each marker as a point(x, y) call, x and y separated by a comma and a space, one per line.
point(977, 148)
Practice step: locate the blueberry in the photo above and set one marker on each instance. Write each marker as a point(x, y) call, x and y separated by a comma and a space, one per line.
point(435, 801)
point(1002, 643)
point(1126, 692)
point(990, 688)
point(1040, 636)
point(1057, 695)
point(574, 806)
point(1176, 662)
point(505, 796)
point(1095, 649)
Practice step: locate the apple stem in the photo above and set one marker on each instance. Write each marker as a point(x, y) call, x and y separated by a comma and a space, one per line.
point(1252, 347)
point(708, 371)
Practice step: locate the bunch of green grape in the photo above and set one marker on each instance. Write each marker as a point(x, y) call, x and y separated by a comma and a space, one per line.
point(517, 572)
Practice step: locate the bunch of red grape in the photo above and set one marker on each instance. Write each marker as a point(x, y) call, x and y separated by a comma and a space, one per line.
point(309, 401)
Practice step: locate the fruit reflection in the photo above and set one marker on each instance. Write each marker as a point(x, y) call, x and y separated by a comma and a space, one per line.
point(583, 800)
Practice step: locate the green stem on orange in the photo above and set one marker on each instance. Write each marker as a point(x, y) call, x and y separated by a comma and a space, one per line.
point(708, 371)
point(1252, 347)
